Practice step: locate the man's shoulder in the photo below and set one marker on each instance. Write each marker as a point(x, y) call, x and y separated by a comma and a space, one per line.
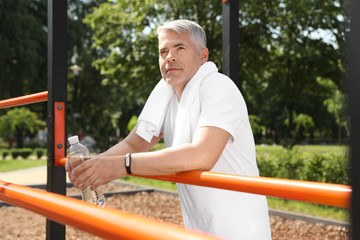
point(218, 83)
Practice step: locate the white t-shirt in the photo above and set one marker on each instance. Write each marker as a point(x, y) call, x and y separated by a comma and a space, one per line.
point(229, 214)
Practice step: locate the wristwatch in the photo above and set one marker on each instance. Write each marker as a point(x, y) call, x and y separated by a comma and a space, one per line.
point(128, 163)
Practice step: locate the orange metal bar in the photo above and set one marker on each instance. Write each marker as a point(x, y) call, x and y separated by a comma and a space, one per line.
point(337, 195)
point(107, 223)
point(323, 193)
point(24, 100)
point(59, 132)
point(60, 161)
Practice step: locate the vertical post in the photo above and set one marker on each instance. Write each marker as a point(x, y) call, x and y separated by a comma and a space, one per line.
point(57, 92)
point(230, 39)
point(354, 97)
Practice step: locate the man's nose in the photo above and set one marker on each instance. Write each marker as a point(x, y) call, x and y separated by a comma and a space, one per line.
point(171, 57)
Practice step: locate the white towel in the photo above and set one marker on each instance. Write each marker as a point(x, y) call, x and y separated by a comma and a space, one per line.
point(152, 116)
point(154, 111)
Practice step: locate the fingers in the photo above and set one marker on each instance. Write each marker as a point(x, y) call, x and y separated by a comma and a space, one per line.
point(97, 183)
point(96, 171)
point(73, 163)
point(79, 174)
point(86, 183)
point(67, 166)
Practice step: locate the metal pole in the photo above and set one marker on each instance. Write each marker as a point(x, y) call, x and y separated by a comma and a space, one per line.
point(354, 97)
point(57, 91)
point(230, 39)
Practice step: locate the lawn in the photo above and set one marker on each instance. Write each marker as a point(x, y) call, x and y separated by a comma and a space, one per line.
point(305, 148)
point(12, 165)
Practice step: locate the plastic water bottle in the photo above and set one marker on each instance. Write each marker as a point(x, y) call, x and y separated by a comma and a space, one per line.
point(78, 153)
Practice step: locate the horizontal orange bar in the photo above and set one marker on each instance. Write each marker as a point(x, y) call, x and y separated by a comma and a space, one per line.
point(24, 100)
point(105, 222)
point(337, 195)
point(322, 193)
point(60, 161)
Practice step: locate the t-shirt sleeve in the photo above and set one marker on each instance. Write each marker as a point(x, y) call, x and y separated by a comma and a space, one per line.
point(222, 105)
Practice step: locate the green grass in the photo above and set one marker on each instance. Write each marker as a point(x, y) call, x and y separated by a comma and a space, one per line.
point(16, 164)
point(305, 149)
point(317, 210)
point(158, 146)
point(151, 183)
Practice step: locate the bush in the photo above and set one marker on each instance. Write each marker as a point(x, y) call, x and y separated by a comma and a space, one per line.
point(292, 164)
point(4, 154)
point(330, 168)
point(268, 165)
point(39, 152)
point(23, 152)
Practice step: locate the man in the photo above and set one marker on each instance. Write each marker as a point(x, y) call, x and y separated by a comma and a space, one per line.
point(203, 118)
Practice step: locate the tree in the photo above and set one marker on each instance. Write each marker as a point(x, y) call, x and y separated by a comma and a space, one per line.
point(18, 123)
point(125, 34)
point(298, 59)
point(23, 47)
point(281, 57)
point(336, 105)
point(88, 98)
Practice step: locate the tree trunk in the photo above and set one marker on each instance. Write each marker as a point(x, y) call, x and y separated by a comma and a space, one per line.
point(19, 138)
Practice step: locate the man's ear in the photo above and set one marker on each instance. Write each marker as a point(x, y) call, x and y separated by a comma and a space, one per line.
point(204, 55)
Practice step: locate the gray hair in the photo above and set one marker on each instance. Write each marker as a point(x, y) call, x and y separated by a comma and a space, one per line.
point(197, 33)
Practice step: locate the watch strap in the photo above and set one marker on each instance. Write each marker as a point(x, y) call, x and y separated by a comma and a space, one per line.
point(128, 163)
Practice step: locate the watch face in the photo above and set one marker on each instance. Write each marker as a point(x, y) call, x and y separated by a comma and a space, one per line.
point(127, 160)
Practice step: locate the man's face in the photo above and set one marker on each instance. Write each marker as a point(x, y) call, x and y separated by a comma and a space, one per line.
point(179, 59)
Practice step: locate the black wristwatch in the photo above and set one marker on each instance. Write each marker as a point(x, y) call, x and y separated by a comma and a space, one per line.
point(128, 163)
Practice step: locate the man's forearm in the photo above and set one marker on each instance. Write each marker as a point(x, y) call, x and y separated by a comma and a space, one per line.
point(133, 143)
point(202, 154)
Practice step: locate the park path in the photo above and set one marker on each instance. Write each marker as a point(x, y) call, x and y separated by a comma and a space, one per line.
point(30, 176)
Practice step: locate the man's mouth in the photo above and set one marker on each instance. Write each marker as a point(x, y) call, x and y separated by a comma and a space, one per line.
point(171, 69)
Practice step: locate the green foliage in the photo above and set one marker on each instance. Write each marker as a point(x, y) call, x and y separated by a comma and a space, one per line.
point(22, 152)
point(129, 61)
point(132, 123)
point(124, 34)
point(331, 168)
point(18, 122)
point(294, 164)
point(23, 47)
point(256, 127)
point(294, 59)
point(4, 154)
point(39, 152)
point(283, 65)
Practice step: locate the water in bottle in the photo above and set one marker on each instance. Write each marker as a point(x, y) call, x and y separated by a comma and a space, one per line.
point(78, 153)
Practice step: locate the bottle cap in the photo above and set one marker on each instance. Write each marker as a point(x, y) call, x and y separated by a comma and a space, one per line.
point(73, 139)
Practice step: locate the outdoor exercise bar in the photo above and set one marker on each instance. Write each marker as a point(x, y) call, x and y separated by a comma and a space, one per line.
point(337, 195)
point(322, 193)
point(105, 222)
point(24, 100)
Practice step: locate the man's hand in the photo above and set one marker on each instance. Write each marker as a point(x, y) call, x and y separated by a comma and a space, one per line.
point(96, 171)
